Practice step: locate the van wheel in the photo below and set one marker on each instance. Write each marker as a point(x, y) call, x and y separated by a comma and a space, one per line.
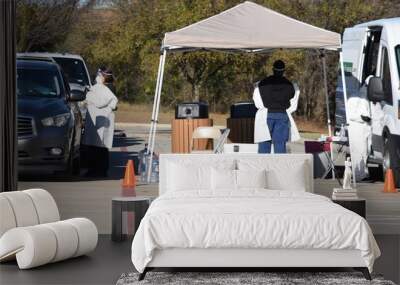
point(390, 159)
point(386, 156)
point(376, 173)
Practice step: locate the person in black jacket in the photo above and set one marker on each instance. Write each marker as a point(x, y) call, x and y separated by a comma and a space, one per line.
point(276, 92)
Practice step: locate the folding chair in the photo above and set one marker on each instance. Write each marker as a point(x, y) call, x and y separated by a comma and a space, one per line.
point(204, 133)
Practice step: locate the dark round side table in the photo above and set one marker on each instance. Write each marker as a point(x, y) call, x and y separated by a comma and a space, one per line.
point(138, 205)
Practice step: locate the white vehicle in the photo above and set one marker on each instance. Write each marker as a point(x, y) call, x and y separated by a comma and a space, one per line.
point(371, 53)
point(74, 67)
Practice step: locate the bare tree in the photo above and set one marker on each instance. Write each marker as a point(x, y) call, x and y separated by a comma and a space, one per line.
point(43, 24)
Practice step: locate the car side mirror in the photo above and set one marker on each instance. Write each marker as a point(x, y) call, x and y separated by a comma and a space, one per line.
point(77, 95)
point(375, 90)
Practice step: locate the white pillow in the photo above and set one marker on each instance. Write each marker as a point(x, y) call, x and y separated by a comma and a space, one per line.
point(251, 178)
point(282, 173)
point(182, 177)
point(292, 178)
point(223, 179)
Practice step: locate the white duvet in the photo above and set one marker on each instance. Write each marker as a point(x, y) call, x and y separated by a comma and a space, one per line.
point(250, 219)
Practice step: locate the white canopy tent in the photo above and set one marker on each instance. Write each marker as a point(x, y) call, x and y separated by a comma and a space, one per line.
point(246, 28)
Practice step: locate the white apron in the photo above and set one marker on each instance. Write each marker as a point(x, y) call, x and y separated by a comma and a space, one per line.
point(99, 126)
point(261, 131)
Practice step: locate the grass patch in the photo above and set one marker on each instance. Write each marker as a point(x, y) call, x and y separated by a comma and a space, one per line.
point(141, 113)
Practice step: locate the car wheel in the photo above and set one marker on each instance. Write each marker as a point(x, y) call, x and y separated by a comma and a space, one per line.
point(74, 160)
point(70, 165)
point(76, 165)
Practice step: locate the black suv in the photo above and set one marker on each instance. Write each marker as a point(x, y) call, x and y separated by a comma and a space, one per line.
point(49, 120)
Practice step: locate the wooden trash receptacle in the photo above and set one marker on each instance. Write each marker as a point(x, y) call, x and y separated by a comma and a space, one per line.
point(182, 130)
point(241, 130)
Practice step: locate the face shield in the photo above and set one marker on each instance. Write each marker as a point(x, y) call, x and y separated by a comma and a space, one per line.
point(99, 78)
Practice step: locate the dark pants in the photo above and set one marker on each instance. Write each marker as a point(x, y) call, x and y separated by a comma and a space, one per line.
point(97, 160)
point(279, 127)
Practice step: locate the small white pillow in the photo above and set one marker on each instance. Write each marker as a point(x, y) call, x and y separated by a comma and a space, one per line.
point(293, 178)
point(223, 179)
point(251, 178)
point(183, 177)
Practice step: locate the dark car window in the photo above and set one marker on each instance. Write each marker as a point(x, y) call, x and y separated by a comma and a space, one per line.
point(38, 82)
point(371, 54)
point(386, 77)
point(74, 69)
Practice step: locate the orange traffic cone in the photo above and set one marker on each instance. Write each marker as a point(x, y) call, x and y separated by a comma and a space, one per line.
point(389, 182)
point(129, 182)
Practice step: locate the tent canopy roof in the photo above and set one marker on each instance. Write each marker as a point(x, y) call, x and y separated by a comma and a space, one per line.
point(250, 27)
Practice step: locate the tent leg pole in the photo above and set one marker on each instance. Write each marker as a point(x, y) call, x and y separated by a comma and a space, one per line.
point(154, 104)
point(326, 95)
point(157, 109)
point(154, 108)
point(328, 110)
point(347, 115)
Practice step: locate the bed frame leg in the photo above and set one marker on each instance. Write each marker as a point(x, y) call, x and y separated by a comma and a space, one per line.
point(365, 272)
point(143, 274)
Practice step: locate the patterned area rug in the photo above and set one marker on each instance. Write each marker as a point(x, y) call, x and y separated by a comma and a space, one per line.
point(243, 278)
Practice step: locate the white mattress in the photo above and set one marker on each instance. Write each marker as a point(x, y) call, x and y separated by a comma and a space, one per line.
point(252, 219)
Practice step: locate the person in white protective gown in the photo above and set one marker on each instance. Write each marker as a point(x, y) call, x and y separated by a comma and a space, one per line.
point(359, 131)
point(99, 125)
point(276, 99)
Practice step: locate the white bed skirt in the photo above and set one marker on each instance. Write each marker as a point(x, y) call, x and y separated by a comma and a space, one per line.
point(189, 257)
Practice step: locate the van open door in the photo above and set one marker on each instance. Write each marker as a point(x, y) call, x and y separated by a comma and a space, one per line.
point(353, 47)
point(360, 54)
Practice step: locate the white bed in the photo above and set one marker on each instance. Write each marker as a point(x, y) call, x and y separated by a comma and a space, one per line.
point(201, 219)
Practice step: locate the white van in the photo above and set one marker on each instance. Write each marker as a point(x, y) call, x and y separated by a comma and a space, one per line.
point(371, 54)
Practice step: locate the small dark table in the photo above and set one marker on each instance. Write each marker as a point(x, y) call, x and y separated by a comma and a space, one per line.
point(138, 205)
point(357, 206)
